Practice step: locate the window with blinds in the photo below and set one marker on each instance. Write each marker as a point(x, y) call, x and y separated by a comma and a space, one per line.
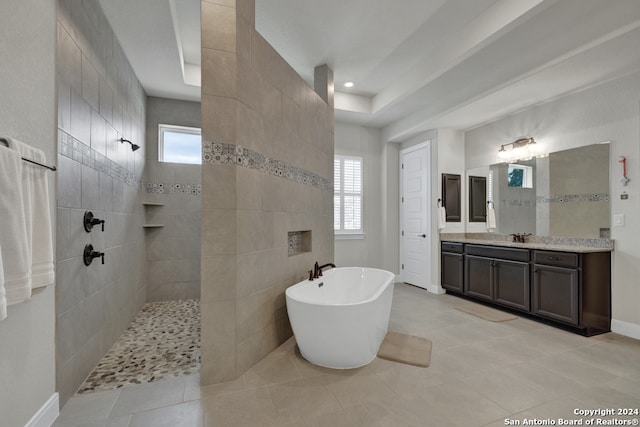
point(347, 197)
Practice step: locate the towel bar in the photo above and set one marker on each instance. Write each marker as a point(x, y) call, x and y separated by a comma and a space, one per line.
point(51, 168)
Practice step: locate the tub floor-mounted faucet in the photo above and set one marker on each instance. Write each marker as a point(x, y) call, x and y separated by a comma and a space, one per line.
point(317, 270)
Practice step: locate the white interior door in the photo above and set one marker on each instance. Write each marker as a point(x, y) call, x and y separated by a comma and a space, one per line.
point(415, 236)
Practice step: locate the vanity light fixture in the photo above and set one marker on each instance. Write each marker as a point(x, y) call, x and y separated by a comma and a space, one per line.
point(520, 149)
point(134, 147)
point(348, 84)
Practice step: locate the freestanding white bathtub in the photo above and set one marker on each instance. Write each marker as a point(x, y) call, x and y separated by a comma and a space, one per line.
point(340, 319)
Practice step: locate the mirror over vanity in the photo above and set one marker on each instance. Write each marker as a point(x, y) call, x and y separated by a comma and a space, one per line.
point(565, 193)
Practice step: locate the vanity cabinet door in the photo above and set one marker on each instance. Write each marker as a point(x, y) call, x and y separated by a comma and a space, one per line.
point(555, 293)
point(511, 282)
point(452, 272)
point(478, 272)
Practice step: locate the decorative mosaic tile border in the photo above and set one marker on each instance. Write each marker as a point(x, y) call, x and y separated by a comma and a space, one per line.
point(221, 153)
point(522, 203)
point(573, 198)
point(74, 149)
point(212, 152)
point(168, 188)
point(565, 198)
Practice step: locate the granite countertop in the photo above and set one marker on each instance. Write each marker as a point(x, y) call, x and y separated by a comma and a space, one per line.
point(549, 243)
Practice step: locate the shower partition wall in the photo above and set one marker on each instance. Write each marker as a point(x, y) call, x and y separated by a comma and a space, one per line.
point(99, 101)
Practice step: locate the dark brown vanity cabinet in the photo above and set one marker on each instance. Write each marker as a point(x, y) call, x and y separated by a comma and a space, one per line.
point(452, 266)
point(496, 274)
point(573, 288)
point(566, 288)
point(556, 281)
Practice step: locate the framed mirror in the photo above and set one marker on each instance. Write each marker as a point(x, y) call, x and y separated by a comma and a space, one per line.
point(451, 197)
point(564, 194)
point(477, 199)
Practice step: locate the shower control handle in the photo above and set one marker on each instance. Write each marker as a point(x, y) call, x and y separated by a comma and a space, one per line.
point(90, 254)
point(90, 221)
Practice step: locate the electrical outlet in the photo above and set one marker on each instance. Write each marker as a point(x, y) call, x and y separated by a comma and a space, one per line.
point(618, 220)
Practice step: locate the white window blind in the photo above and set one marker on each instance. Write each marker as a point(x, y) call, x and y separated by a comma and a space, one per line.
point(347, 198)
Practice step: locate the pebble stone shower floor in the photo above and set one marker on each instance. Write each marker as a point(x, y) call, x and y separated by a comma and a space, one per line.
point(162, 341)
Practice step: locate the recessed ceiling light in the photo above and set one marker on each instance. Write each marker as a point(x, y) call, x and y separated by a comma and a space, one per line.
point(348, 84)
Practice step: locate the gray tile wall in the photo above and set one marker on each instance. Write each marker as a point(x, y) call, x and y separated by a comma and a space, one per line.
point(268, 149)
point(173, 251)
point(99, 101)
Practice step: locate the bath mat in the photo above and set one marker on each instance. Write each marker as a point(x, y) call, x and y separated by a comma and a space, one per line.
point(486, 313)
point(406, 349)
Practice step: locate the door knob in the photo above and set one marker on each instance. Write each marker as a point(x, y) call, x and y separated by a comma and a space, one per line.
point(422, 235)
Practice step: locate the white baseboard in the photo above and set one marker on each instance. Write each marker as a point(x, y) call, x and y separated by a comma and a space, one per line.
point(47, 414)
point(627, 329)
point(435, 289)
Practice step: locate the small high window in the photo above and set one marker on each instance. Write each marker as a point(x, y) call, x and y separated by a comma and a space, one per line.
point(179, 144)
point(347, 198)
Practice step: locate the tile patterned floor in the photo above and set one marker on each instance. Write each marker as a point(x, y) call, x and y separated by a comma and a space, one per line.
point(162, 341)
point(480, 374)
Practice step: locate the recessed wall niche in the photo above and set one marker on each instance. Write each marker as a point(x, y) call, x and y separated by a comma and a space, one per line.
point(299, 242)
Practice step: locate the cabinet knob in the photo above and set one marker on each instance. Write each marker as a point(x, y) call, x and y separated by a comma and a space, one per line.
point(553, 258)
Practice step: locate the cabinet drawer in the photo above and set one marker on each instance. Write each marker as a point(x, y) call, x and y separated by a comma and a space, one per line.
point(560, 259)
point(498, 252)
point(452, 247)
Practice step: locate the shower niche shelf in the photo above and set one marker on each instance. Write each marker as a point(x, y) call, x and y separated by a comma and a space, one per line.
point(151, 205)
point(299, 242)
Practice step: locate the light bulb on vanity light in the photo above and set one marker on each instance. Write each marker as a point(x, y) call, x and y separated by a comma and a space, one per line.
point(348, 84)
point(520, 149)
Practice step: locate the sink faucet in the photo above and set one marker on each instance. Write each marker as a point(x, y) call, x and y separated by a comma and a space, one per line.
point(519, 238)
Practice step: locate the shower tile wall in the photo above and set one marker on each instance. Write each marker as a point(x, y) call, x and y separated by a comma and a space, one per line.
point(99, 101)
point(173, 251)
point(267, 170)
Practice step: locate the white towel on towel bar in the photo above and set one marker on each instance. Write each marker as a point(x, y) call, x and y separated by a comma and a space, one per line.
point(37, 213)
point(442, 217)
point(491, 218)
point(16, 255)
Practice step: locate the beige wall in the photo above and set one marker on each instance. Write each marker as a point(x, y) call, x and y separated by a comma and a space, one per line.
point(608, 112)
point(27, 113)
point(99, 101)
point(267, 169)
